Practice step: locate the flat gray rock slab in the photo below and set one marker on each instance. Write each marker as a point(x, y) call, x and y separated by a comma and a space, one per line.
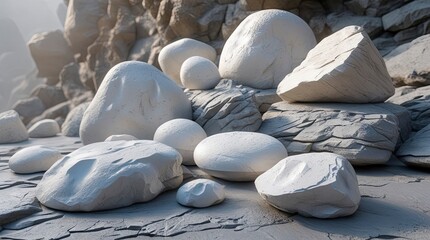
point(415, 151)
point(394, 205)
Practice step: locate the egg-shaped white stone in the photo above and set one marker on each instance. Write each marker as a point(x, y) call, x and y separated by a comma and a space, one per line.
point(33, 159)
point(199, 73)
point(200, 193)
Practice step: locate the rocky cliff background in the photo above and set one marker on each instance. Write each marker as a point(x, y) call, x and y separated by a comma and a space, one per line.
point(99, 34)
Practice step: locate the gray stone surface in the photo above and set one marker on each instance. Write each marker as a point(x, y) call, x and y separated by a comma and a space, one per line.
point(363, 133)
point(408, 15)
point(29, 108)
point(71, 125)
point(415, 151)
point(226, 108)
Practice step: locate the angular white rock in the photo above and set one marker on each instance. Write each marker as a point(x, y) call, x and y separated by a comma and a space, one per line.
point(265, 47)
point(200, 193)
point(322, 185)
point(344, 67)
point(33, 159)
point(44, 128)
point(183, 135)
point(173, 55)
point(119, 137)
point(238, 156)
point(199, 73)
point(11, 128)
point(108, 175)
point(134, 98)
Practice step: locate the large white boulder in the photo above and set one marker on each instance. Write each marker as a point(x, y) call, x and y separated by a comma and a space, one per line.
point(344, 67)
point(33, 159)
point(134, 98)
point(238, 156)
point(199, 73)
point(265, 47)
point(11, 128)
point(108, 175)
point(174, 54)
point(322, 185)
point(200, 193)
point(183, 135)
point(44, 128)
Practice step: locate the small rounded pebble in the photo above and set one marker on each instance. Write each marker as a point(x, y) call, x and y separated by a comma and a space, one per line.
point(199, 73)
point(200, 193)
point(120, 137)
point(183, 135)
point(34, 159)
point(44, 128)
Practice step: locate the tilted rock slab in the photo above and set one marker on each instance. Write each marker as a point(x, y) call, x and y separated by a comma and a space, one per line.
point(406, 16)
point(344, 67)
point(322, 185)
point(109, 175)
point(416, 151)
point(266, 46)
point(363, 133)
point(134, 98)
point(226, 108)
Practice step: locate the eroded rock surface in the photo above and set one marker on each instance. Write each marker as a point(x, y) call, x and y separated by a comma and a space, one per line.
point(200, 193)
point(415, 151)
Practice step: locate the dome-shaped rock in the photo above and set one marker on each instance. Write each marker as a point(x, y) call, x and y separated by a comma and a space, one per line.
point(200, 193)
point(11, 128)
point(33, 159)
point(199, 73)
point(44, 128)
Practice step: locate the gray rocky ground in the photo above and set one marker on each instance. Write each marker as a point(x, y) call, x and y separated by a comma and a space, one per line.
point(394, 205)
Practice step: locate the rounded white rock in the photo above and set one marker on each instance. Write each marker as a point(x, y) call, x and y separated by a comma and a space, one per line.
point(174, 54)
point(200, 193)
point(238, 156)
point(322, 185)
point(120, 137)
point(183, 135)
point(199, 73)
point(33, 159)
point(11, 128)
point(44, 128)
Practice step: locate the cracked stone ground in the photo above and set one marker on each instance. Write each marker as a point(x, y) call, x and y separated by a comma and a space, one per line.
point(395, 205)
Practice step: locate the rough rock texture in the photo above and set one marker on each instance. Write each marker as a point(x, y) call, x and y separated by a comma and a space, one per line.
point(71, 83)
point(49, 95)
point(199, 73)
point(293, 184)
point(182, 135)
point(226, 108)
point(56, 112)
point(33, 159)
point(51, 52)
point(173, 55)
point(371, 25)
point(238, 156)
point(120, 137)
point(135, 98)
point(11, 128)
point(71, 124)
point(115, 174)
point(408, 64)
point(411, 14)
point(44, 128)
point(415, 151)
point(29, 108)
point(344, 67)
point(200, 193)
point(363, 133)
point(262, 49)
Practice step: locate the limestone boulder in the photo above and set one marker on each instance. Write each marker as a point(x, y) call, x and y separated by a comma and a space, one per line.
point(415, 151)
point(183, 135)
point(200, 193)
point(71, 83)
point(407, 15)
point(33, 159)
point(70, 127)
point(365, 134)
point(199, 73)
point(49, 95)
point(408, 63)
point(11, 128)
point(228, 107)
point(29, 108)
point(174, 54)
point(262, 49)
point(238, 156)
point(344, 67)
point(109, 175)
point(371, 25)
point(321, 185)
point(44, 128)
point(134, 98)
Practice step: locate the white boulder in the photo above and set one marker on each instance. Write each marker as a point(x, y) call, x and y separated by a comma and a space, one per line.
point(174, 54)
point(344, 67)
point(200, 193)
point(109, 175)
point(199, 73)
point(44, 128)
point(238, 156)
point(120, 137)
point(183, 135)
point(11, 128)
point(33, 159)
point(322, 185)
point(134, 98)
point(265, 47)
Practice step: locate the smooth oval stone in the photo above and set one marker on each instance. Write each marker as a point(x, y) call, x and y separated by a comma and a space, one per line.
point(238, 156)
point(44, 128)
point(199, 73)
point(200, 193)
point(33, 159)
